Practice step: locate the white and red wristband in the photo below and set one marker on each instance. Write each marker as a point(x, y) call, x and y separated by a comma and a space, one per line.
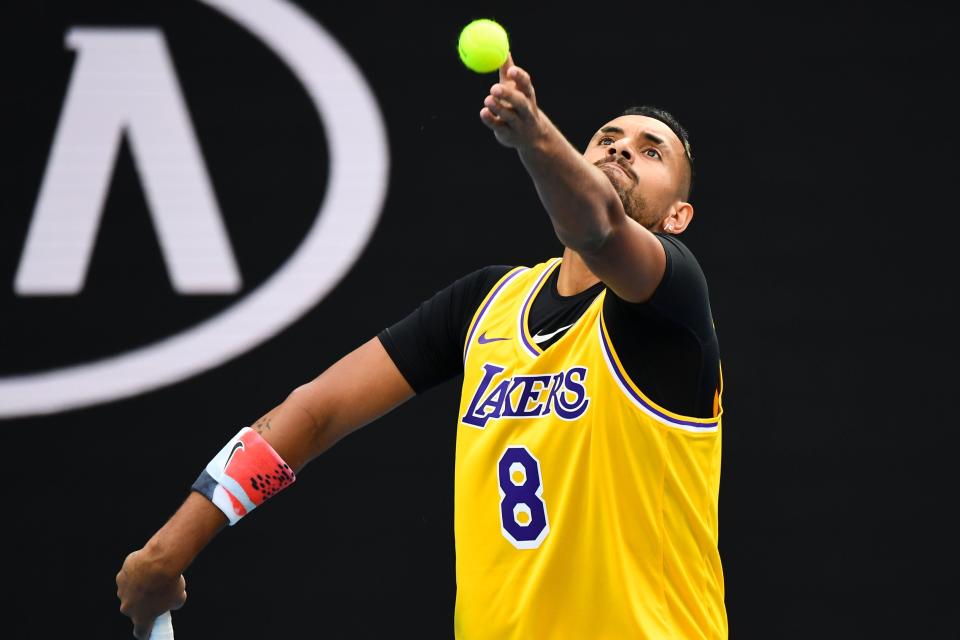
point(243, 475)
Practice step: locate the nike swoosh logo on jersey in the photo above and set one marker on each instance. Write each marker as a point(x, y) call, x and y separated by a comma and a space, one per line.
point(236, 445)
point(543, 338)
point(483, 339)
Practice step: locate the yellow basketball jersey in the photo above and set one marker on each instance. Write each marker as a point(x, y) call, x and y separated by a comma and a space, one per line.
point(583, 509)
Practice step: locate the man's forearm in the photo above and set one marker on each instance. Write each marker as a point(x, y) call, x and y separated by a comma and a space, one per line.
point(290, 430)
point(360, 387)
point(175, 545)
point(580, 200)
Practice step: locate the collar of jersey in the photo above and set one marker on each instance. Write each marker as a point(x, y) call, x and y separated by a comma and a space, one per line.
point(527, 345)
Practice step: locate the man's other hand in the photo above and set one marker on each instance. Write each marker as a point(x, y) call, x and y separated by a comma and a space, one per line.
point(146, 591)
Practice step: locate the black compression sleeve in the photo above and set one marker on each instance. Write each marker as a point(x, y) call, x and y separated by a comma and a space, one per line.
point(668, 344)
point(427, 345)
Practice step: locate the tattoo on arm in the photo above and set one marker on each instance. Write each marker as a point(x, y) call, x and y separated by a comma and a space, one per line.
point(263, 424)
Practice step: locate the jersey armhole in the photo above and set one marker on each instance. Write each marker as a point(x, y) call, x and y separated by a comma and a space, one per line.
point(718, 394)
point(641, 401)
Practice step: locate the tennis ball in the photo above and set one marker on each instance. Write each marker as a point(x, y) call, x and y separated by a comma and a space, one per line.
point(483, 46)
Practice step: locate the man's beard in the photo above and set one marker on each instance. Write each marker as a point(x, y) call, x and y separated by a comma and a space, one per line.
point(634, 205)
point(633, 202)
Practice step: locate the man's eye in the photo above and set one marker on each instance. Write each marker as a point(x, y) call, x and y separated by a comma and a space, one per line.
point(606, 140)
point(653, 153)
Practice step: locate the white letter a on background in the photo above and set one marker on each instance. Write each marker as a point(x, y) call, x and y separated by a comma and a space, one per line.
point(124, 83)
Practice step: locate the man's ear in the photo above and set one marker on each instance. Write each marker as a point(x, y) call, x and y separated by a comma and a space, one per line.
point(678, 218)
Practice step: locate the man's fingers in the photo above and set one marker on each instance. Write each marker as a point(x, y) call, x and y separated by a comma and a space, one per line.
point(491, 120)
point(497, 107)
point(505, 67)
point(503, 110)
point(181, 597)
point(507, 102)
point(142, 629)
point(522, 81)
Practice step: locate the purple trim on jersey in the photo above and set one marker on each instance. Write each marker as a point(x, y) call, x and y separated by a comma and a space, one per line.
point(473, 330)
point(604, 341)
point(526, 303)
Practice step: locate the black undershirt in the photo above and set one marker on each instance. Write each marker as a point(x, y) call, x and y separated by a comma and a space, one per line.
point(667, 345)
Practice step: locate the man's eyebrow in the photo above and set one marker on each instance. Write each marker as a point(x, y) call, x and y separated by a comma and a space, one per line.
point(612, 130)
point(657, 140)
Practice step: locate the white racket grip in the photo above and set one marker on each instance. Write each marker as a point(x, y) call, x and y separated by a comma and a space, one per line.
point(162, 628)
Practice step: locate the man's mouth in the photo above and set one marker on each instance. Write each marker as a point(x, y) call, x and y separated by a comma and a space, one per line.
point(616, 165)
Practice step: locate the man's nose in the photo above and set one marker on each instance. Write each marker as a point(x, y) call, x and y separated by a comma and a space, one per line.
point(622, 149)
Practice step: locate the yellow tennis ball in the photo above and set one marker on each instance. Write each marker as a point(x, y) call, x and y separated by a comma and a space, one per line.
point(483, 46)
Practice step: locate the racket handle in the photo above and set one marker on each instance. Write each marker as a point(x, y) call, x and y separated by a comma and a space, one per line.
point(162, 628)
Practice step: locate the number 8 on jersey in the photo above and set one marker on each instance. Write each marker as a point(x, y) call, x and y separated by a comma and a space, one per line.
point(523, 513)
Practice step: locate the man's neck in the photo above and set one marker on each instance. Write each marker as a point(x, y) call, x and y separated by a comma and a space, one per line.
point(574, 276)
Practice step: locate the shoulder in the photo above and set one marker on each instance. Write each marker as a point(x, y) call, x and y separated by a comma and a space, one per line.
point(477, 284)
point(679, 256)
point(492, 274)
point(427, 344)
point(682, 295)
point(682, 277)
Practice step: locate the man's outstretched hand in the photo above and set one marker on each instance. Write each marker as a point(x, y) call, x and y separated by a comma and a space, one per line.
point(510, 110)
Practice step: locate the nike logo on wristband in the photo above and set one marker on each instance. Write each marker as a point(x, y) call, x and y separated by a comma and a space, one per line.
point(483, 339)
point(237, 445)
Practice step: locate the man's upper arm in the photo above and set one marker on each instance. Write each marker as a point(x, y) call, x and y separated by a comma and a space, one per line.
point(409, 357)
point(357, 389)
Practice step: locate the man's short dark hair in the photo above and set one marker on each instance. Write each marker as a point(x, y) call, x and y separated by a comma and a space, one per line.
point(668, 119)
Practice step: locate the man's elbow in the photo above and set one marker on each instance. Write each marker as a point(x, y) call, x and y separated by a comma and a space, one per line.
point(314, 413)
point(585, 242)
point(594, 235)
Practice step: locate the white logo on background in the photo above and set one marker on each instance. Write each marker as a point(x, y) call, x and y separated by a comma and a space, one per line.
point(358, 165)
point(124, 84)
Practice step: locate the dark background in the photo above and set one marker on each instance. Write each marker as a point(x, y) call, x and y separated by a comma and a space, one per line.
point(824, 224)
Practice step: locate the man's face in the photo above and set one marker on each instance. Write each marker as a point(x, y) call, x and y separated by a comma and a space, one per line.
point(644, 160)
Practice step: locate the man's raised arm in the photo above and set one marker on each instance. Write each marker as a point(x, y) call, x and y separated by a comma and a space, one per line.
point(360, 387)
point(586, 210)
